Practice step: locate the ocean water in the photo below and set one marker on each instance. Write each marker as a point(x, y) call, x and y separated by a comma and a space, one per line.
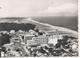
point(67, 22)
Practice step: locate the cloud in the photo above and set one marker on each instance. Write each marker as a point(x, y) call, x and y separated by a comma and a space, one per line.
point(22, 7)
point(67, 9)
point(37, 7)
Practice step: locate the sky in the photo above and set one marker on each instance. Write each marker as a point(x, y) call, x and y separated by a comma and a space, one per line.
point(25, 8)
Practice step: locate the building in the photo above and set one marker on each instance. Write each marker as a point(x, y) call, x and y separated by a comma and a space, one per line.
point(31, 42)
point(27, 38)
point(15, 38)
point(53, 39)
point(37, 40)
point(40, 39)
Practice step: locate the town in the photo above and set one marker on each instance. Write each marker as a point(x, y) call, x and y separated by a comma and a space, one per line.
point(37, 43)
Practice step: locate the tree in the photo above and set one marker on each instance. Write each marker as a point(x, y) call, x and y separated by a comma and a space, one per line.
point(4, 39)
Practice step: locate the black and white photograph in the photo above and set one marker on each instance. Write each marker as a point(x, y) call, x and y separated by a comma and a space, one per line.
point(39, 28)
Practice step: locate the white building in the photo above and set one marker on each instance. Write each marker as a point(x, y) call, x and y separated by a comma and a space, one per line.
point(54, 39)
point(12, 32)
